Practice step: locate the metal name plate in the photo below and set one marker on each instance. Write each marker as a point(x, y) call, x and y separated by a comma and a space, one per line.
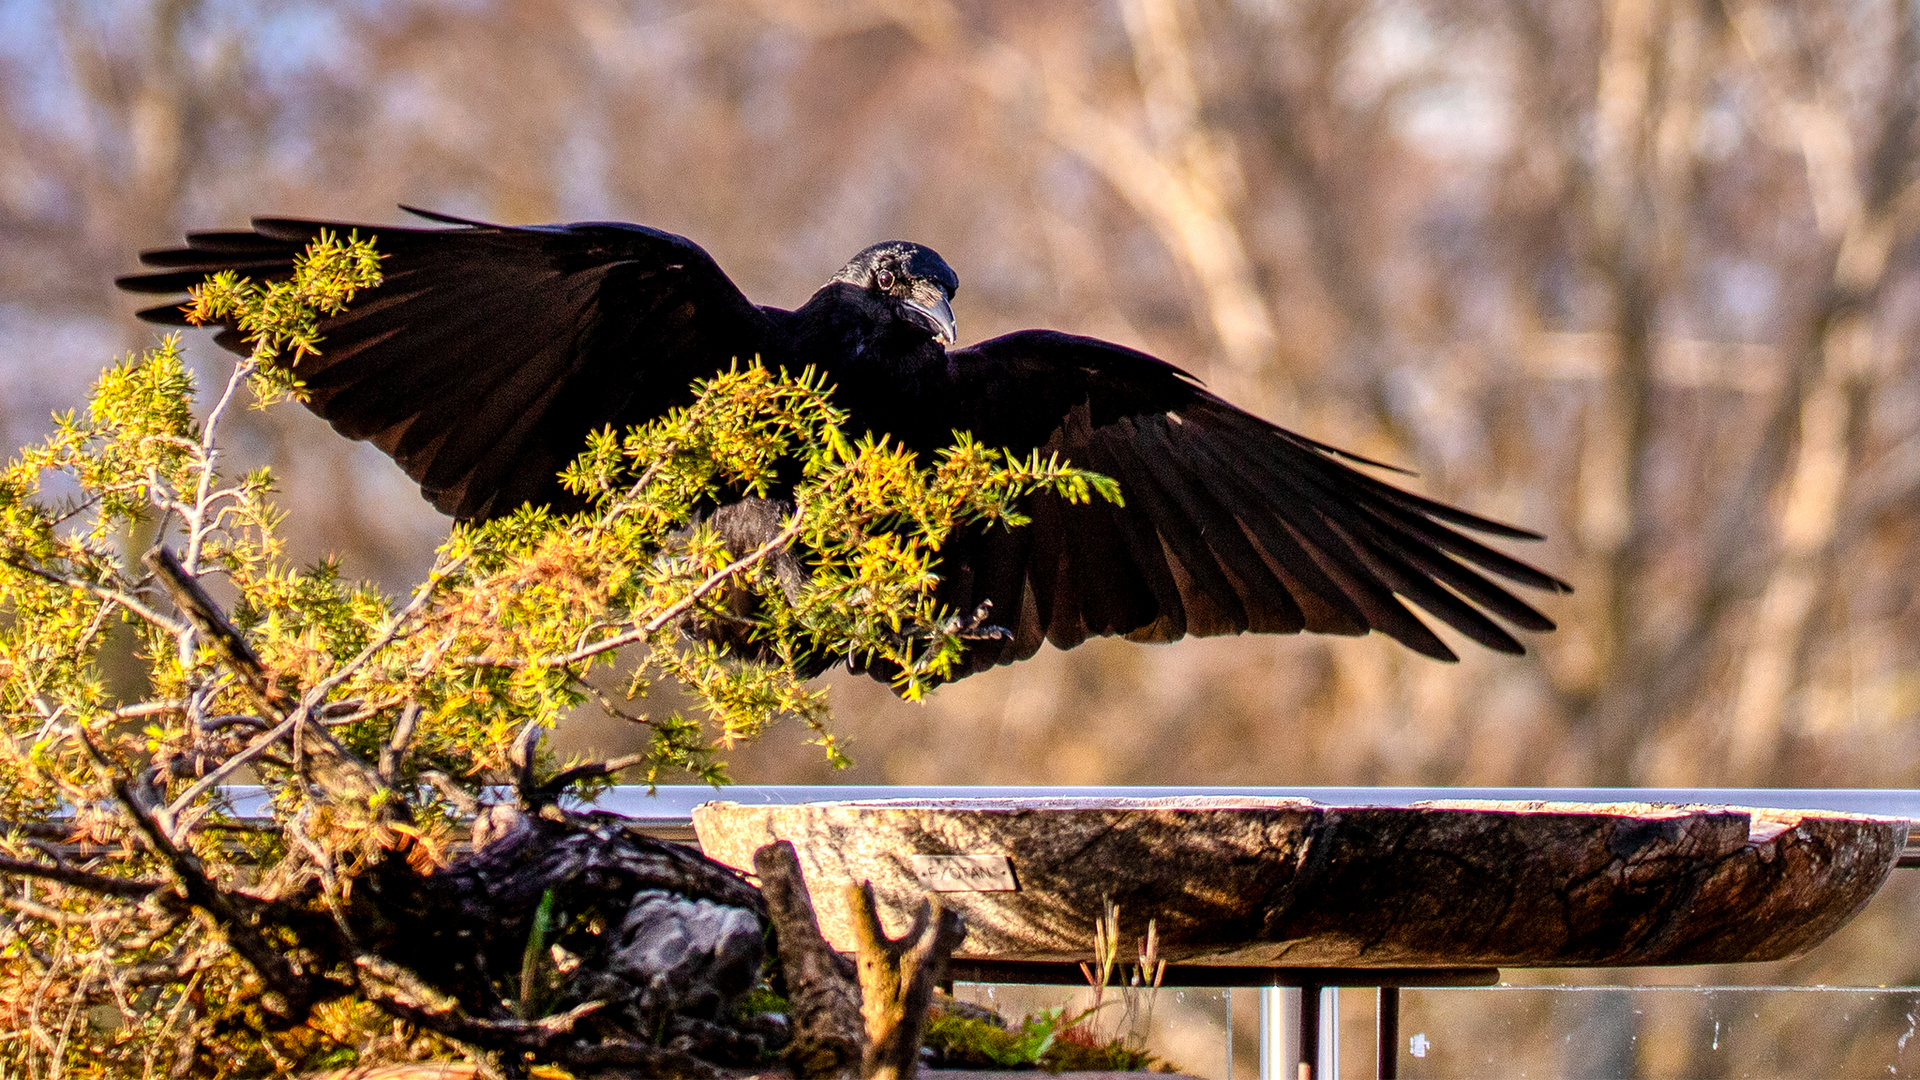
point(963, 873)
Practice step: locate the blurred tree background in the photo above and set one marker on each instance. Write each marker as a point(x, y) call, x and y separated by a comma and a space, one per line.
point(1640, 274)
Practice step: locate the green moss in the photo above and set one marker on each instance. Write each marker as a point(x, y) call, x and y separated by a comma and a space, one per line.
point(337, 1057)
point(761, 1000)
point(1045, 1040)
point(964, 1042)
point(1076, 1051)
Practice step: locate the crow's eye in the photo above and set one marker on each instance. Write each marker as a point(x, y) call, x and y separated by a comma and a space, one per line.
point(884, 279)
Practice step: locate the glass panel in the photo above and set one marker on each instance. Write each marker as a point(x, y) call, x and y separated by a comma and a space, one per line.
point(1698, 1033)
point(1569, 1033)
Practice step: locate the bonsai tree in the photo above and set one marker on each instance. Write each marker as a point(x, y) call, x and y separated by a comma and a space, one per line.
point(418, 878)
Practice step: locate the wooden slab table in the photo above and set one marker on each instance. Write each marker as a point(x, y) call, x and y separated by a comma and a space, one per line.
point(1282, 891)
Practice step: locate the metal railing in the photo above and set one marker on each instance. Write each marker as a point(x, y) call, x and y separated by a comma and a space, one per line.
point(668, 810)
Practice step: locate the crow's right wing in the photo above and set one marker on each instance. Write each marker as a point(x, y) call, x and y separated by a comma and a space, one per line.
point(489, 353)
point(1230, 524)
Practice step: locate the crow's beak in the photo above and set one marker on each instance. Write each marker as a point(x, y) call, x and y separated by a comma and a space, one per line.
point(936, 314)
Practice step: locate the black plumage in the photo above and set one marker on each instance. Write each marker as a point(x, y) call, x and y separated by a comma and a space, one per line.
point(490, 352)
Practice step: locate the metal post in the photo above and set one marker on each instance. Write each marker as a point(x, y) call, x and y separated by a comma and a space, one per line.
point(1228, 1071)
point(1329, 1067)
point(1387, 1057)
point(1307, 1064)
point(1299, 1033)
point(1276, 1004)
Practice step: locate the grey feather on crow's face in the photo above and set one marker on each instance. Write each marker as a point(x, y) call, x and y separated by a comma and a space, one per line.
point(914, 277)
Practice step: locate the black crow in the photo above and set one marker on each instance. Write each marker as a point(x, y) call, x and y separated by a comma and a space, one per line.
point(490, 352)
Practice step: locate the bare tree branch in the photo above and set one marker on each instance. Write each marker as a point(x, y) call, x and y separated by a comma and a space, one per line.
point(292, 992)
point(212, 625)
point(81, 879)
point(104, 592)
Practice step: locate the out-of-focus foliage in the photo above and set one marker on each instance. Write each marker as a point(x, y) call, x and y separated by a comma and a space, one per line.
point(344, 702)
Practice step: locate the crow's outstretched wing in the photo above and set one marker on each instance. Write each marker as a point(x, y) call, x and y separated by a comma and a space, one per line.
point(1230, 524)
point(488, 353)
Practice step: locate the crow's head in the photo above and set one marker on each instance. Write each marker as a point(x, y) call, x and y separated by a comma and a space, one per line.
point(914, 279)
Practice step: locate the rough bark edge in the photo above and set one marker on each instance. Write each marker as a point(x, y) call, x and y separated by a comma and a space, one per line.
point(828, 1032)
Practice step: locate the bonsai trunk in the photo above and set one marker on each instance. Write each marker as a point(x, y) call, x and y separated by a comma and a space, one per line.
point(872, 1014)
